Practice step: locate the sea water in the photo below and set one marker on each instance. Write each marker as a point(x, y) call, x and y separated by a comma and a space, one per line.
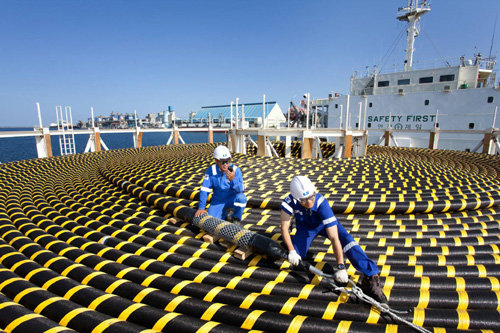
point(22, 148)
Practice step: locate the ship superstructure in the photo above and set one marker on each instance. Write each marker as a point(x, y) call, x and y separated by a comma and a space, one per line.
point(462, 96)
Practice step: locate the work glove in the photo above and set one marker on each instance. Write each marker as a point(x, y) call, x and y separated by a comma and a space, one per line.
point(341, 276)
point(294, 258)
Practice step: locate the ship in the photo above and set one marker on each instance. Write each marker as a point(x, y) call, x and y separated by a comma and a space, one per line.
point(459, 101)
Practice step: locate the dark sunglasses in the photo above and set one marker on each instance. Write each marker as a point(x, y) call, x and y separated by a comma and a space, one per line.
point(225, 161)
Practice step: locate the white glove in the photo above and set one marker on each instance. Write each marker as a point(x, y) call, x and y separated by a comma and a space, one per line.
point(294, 258)
point(341, 276)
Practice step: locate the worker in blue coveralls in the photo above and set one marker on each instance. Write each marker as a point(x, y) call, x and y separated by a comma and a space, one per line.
point(226, 181)
point(313, 217)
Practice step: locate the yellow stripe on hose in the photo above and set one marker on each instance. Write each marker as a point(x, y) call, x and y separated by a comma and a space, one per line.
point(251, 319)
point(72, 314)
point(161, 323)
point(15, 323)
point(463, 320)
point(105, 324)
point(247, 302)
point(288, 306)
point(211, 311)
point(128, 311)
point(207, 327)
point(175, 302)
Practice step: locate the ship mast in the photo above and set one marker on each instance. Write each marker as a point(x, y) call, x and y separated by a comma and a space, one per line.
point(411, 13)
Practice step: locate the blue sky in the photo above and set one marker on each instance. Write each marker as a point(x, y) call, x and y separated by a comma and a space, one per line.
point(146, 55)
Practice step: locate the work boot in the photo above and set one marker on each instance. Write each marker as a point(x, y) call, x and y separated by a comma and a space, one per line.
point(371, 287)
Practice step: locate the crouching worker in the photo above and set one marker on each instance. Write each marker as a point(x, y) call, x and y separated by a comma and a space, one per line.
point(313, 217)
point(226, 181)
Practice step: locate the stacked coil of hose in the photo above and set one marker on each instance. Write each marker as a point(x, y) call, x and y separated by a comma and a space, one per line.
point(89, 243)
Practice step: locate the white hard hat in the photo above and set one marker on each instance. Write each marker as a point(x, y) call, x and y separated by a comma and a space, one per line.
point(301, 187)
point(221, 152)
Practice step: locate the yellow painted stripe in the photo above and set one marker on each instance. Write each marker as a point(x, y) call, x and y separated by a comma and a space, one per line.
point(188, 262)
point(249, 271)
point(212, 293)
point(172, 270)
point(296, 324)
point(207, 327)
point(33, 272)
point(122, 273)
point(304, 293)
point(200, 277)
point(147, 281)
point(330, 311)
point(463, 319)
point(74, 290)
point(281, 276)
point(425, 283)
point(52, 281)
point(268, 287)
point(15, 323)
point(211, 311)
point(288, 306)
point(343, 327)
point(161, 323)
point(247, 302)
point(265, 202)
point(72, 314)
point(217, 267)
point(145, 264)
point(234, 281)
point(7, 304)
point(96, 302)
point(423, 300)
point(460, 281)
point(40, 307)
point(105, 324)
point(128, 311)
point(115, 285)
point(463, 300)
point(91, 276)
point(176, 301)
point(25, 292)
point(495, 284)
point(251, 319)
point(418, 316)
point(177, 289)
point(56, 329)
point(373, 316)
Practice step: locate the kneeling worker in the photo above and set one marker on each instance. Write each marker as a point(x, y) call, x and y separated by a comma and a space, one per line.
point(314, 216)
point(226, 181)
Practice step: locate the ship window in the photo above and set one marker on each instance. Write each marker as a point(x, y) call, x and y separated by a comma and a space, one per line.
point(336, 106)
point(369, 125)
point(490, 99)
point(446, 78)
point(425, 79)
point(403, 82)
point(426, 102)
point(370, 104)
point(471, 125)
point(383, 83)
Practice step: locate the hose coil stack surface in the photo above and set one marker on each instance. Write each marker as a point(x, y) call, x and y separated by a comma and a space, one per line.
point(102, 242)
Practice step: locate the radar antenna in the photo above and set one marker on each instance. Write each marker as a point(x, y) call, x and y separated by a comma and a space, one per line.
point(411, 14)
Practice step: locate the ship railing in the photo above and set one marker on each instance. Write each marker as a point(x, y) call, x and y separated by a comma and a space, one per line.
point(484, 63)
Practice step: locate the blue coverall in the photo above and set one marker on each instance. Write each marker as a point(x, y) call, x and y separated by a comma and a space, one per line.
point(226, 194)
point(313, 222)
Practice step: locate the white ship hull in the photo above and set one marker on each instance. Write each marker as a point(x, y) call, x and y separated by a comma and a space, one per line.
point(463, 109)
